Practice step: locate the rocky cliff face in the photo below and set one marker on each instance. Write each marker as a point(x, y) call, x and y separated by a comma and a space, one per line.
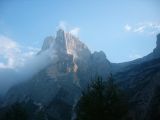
point(99, 64)
point(66, 43)
point(141, 82)
point(48, 41)
point(156, 51)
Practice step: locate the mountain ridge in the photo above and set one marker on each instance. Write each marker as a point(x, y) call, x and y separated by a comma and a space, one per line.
point(153, 55)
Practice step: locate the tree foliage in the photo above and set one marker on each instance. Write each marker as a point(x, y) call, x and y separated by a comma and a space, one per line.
point(102, 101)
point(16, 112)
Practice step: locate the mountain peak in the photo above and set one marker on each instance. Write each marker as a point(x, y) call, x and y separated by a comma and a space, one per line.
point(66, 43)
point(60, 41)
point(60, 32)
point(156, 51)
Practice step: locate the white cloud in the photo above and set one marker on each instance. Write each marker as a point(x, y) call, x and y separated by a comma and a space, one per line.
point(13, 53)
point(19, 63)
point(139, 29)
point(150, 28)
point(127, 27)
point(134, 56)
point(75, 31)
point(8, 50)
point(63, 25)
point(69, 28)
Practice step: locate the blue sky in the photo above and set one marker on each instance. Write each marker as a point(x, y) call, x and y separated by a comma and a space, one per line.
point(123, 29)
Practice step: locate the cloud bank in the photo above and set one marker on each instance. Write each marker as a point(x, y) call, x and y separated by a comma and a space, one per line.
point(9, 50)
point(18, 63)
point(12, 54)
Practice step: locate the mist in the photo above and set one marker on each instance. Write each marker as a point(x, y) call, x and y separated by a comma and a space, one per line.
point(12, 76)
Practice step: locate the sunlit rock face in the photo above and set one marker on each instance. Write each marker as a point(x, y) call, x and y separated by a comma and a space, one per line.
point(67, 46)
point(73, 55)
point(75, 47)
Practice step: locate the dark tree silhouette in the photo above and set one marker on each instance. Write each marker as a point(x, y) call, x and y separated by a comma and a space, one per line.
point(102, 101)
point(16, 112)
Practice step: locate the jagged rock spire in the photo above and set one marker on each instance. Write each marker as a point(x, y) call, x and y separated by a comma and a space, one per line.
point(158, 41)
point(156, 51)
point(60, 41)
